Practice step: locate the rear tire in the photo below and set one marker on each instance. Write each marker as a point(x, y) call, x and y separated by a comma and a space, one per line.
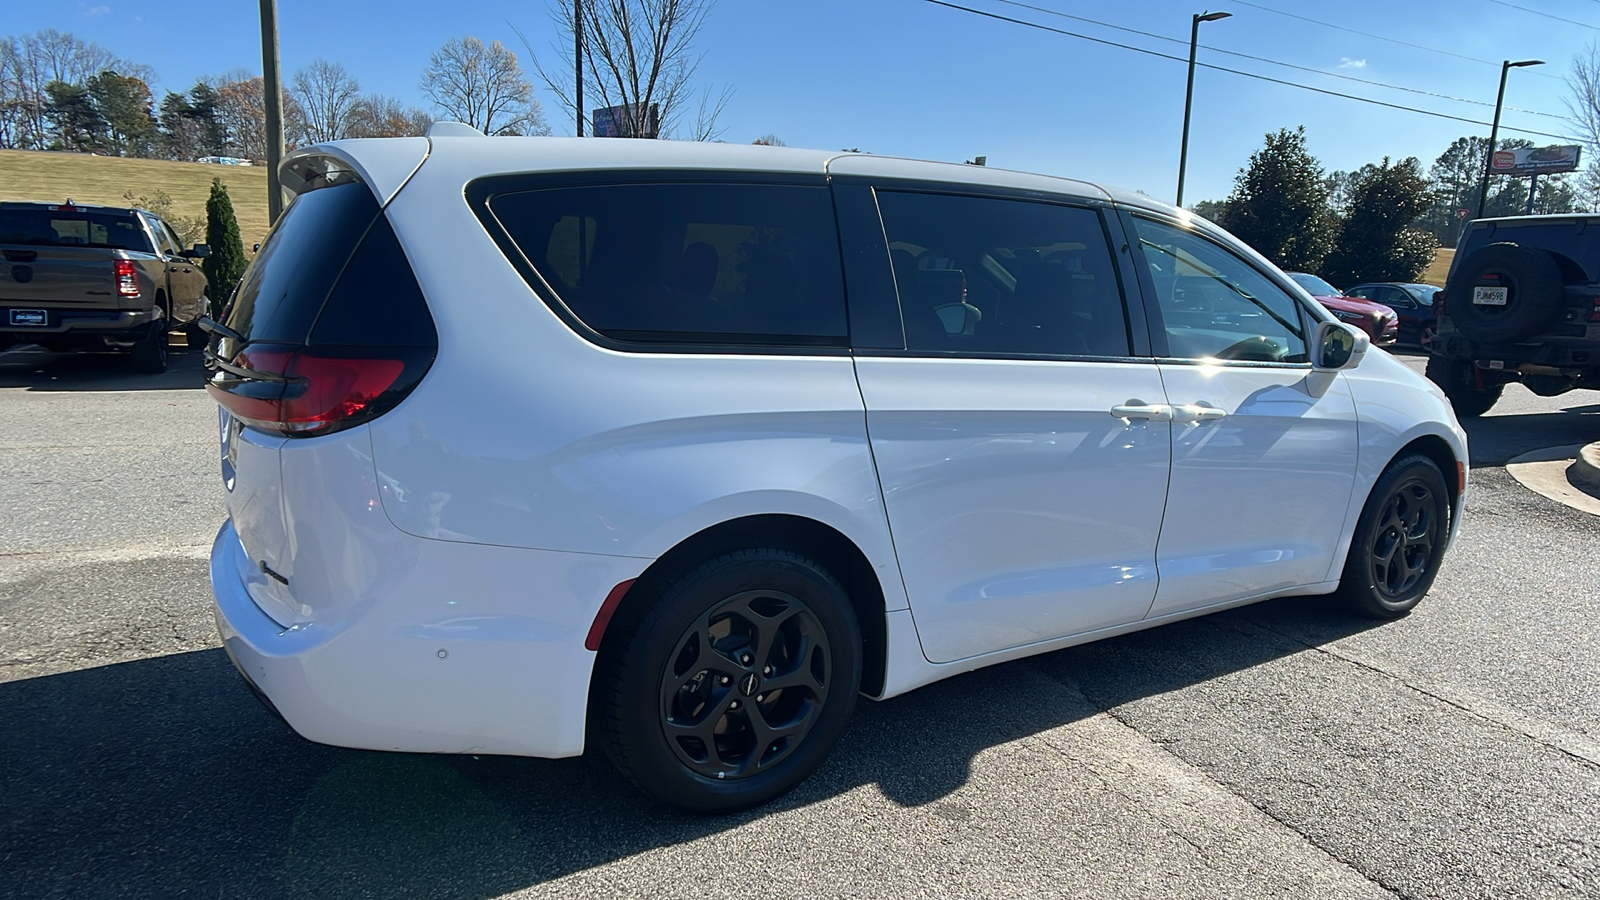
point(150, 354)
point(1399, 540)
point(195, 337)
point(1459, 381)
point(732, 685)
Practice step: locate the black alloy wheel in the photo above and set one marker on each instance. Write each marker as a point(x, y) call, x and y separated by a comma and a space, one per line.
point(745, 685)
point(1399, 539)
point(150, 353)
point(730, 686)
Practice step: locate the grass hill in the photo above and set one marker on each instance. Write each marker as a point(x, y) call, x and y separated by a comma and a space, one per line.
point(53, 177)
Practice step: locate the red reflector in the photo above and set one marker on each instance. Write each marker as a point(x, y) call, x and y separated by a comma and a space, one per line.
point(127, 276)
point(607, 610)
point(321, 392)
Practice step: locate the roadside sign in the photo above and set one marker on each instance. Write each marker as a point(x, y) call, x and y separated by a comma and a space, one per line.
point(1461, 214)
point(615, 121)
point(1536, 160)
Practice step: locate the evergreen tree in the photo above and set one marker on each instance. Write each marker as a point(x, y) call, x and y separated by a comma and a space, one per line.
point(226, 264)
point(124, 103)
point(1279, 203)
point(78, 124)
point(1377, 242)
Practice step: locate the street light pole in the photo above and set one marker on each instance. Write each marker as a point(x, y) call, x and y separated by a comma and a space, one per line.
point(1188, 96)
point(272, 87)
point(577, 57)
point(1494, 130)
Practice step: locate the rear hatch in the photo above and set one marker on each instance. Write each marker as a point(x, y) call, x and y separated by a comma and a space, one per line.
point(327, 330)
point(63, 256)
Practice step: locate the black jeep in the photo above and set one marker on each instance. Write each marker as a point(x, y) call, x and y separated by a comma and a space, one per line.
point(1522, 304)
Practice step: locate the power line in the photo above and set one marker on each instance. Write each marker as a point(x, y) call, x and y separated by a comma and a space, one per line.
point(1275, 62)
point(1377, 37)
point(1547, 15)
point(1304, 87)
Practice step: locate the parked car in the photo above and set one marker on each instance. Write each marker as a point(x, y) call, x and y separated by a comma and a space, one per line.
point(742, 413)
point(1379, 322)
point(1412, 303)
point(80, 276)
point(1522, 303)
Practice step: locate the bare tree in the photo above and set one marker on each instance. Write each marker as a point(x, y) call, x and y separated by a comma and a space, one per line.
point(482, 85)
point(639, 59)
point(242, 113)
point(326, 93)
point(1584, 104)
point(376, 115)
point(29, 63)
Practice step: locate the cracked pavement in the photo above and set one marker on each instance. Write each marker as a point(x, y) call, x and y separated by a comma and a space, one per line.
point(1282, 750)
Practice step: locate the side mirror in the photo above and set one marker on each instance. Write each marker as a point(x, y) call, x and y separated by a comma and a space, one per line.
point(1338, 346)
point(199, 251)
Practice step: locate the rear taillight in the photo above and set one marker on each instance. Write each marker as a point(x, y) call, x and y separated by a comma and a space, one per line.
point(1594, 314)
point(127, 277)
point(300, 393)
point(1438, 303)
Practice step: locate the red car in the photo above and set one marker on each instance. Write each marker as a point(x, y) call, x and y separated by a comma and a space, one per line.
point(1378, 321)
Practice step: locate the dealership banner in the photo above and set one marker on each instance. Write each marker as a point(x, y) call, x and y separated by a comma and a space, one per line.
point(1535, 160)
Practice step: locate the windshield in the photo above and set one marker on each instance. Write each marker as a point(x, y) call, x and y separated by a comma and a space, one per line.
point(77, 228)
point(1314, 286)
point(1423, 292)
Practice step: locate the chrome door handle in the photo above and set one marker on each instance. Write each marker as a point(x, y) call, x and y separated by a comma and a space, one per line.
point(1136, 409)
point(1194, 412)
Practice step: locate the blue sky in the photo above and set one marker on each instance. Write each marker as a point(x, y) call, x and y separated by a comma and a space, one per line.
point(909, 78)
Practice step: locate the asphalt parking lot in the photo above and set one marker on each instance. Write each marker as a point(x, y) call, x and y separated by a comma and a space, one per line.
point(1283, 750)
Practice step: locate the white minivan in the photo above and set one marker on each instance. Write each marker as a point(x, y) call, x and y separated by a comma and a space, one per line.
point(677, 448)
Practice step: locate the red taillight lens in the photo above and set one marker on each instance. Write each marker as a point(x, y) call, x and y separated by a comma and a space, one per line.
point(1594, 314)
point(127, 277)
point(303, 393)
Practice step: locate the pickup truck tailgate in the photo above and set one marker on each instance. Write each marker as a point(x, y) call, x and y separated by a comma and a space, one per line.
point(58, 276)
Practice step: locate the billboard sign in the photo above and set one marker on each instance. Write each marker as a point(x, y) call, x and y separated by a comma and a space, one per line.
point(1536, 160)
point(615, 121)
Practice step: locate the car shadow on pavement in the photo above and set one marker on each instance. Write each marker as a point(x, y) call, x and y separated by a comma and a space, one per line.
point(1494, 440)
point(36, 369)
point(164, 777)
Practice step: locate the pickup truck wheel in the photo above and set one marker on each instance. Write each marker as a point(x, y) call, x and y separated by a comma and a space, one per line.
point(150, 354)
point(1399, 540)
point(1532, 293)
point(1470, 393)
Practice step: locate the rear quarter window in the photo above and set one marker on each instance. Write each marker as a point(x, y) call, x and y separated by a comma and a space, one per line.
point(686, 263)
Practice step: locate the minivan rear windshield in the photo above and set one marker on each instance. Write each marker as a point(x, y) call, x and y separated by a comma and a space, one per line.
point(283, 290)
point(79, 228)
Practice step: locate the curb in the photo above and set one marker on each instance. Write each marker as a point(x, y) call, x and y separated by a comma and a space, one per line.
point(1585, 470)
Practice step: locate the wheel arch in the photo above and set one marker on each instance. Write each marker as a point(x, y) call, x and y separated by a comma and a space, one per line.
point(809, 537)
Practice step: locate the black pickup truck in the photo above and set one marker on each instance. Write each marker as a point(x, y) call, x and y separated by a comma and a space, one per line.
point(77, 276)
point(1522, 303)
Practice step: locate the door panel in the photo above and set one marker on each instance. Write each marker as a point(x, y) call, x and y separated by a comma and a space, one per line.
point(1021, 509)
point(1258, 496)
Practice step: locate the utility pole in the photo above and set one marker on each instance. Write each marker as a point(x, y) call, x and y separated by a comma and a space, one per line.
point(577, 57)
point(271, 85)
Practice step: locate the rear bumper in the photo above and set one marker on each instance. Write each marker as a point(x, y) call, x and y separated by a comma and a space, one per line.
point(1555, 352)
point(479, 651)
point(58, 321)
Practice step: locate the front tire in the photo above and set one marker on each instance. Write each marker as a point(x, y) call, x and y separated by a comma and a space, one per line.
point(733, 685)
point(1399, 540)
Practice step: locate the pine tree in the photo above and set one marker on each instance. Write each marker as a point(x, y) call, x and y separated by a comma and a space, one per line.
point(1279, 203)
point(225, 265)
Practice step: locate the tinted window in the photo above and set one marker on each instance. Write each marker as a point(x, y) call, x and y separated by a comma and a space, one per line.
point(60, 228)
point(1003, 276)
point(284, 288)
point(377, 301)
point(690, 263)
point(1216, 305)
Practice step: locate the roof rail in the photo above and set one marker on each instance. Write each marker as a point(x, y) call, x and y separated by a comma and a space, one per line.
point(453, 129)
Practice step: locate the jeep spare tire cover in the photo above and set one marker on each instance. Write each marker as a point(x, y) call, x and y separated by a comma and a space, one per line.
point(1531, 283)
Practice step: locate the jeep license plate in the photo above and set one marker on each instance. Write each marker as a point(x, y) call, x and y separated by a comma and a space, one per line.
point(35, 317)
point(1487, 296)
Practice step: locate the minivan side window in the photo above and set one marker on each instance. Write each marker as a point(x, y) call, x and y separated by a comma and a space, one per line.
point(996, 276)
point(689, 263)
point(1214, 304)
